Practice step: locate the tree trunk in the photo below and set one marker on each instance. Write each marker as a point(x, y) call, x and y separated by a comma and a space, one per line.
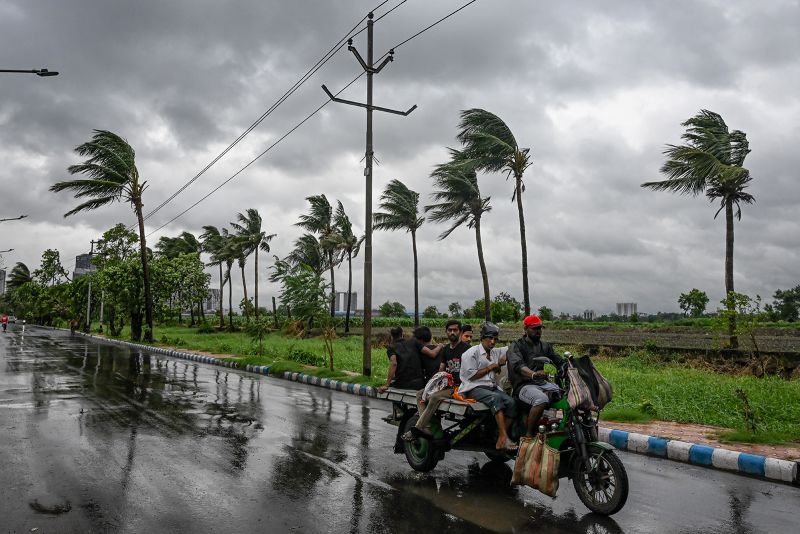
point(136, 326)
point(230, 301)
point(526, 298)
point(349, 289)
point(244, 288)
point(148, 297)
point(333, 286)
point(734, 340)
point(416, 277)
point(255, 271)
point(487, 313)
point(221, 296)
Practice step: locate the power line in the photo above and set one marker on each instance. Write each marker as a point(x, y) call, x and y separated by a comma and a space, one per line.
point(284, 136)
point(313, 112)
point(318, 65)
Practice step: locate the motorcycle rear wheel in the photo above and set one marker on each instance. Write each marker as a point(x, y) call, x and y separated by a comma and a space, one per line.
point(604, 487)
point(421, 454)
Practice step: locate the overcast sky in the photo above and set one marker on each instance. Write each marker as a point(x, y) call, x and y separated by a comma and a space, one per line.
point(595, 89)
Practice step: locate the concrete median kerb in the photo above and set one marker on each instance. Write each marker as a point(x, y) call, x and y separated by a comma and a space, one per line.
point(786, 471)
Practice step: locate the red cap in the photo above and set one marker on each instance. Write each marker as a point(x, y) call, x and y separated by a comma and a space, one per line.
point(532, 320)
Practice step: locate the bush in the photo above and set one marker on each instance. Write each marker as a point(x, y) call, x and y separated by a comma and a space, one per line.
point(205, 328)
point(305, 357)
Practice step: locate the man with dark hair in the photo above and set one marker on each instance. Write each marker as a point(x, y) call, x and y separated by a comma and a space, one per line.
point(480, 366)
point(528, 378)
point(405, 360)
point(466, 333)
point(451, 362)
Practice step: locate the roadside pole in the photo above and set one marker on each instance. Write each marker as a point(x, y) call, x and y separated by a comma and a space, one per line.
point(370, 68)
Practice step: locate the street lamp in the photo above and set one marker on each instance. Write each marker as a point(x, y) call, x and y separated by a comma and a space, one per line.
point(38, 72)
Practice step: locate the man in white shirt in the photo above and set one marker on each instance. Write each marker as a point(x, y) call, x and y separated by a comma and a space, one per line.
point(480, 366)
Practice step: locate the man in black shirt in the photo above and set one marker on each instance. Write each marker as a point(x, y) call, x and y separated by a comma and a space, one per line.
point(405, 362)
point(450, 362)
point(528, 378)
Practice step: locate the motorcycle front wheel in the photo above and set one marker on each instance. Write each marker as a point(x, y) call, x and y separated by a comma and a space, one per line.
point(603, 487)
point(420, 453)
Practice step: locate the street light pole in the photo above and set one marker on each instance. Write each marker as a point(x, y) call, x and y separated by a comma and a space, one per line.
point(38, 72)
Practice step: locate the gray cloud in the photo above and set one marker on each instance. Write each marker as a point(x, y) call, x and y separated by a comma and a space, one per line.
point(595, 89)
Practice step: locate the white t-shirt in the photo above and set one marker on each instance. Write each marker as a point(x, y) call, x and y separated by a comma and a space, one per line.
point(475, 359)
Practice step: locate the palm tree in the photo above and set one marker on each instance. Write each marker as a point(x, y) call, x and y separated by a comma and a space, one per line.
point(18, 276)
point(112, 177)
point(238, 247)
point(230, 252)
point(348, 245)
point(400, 207)
point(711, 163)
point(214, 243)
point(460, 201)
point(320, 222)
point(489, 141)
point(254, 239)
point(308, 251)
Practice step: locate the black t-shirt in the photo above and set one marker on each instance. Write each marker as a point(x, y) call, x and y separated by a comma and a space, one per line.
point(409, 364)
point(452, 359)
point(430, 366)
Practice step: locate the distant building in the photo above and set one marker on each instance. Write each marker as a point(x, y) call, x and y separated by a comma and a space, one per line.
point(626, 309)
point(2, 281)
point(213, 301)
point(83, 265)
point(341, 302)
point(589, 315)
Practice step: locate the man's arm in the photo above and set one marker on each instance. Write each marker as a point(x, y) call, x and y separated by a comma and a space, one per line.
point(469, 366)
point(517, 364)
point(432, 353)
point(390, 374)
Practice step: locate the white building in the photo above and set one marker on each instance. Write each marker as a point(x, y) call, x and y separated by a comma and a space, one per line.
point(626, 309)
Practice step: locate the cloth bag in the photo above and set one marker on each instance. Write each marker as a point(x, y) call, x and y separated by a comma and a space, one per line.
point(599, 387)
point(537, 465)
point(579, 396)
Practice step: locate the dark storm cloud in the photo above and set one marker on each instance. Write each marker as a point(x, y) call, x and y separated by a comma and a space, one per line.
point(594, 89)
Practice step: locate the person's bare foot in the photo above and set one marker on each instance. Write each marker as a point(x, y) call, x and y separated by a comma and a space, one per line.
point(506, 445)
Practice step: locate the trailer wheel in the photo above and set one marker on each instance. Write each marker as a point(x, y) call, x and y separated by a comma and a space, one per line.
point(421, 454)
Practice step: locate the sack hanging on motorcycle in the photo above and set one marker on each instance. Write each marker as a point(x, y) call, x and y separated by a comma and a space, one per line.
point(599, 387)
point(537, 465)
point(579, 396)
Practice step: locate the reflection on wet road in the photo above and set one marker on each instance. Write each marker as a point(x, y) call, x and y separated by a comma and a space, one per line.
point(97, 438)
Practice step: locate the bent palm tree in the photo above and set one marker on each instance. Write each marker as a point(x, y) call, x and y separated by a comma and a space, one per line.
point(214, 244)
point(711, 163)
point(320, 222)
point(348, 245)
point(112, 177)
point(460, 201)
point(400, 207)
point(18, 276)
point(248, 228)
point(489, 141)
point(308, 251)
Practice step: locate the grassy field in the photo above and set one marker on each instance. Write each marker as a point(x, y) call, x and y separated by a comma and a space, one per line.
point(645, 386)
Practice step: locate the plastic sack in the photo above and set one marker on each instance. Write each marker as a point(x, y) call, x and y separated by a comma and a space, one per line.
point(579, 396)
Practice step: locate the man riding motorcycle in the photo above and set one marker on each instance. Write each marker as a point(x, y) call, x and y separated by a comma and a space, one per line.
point(528, 378)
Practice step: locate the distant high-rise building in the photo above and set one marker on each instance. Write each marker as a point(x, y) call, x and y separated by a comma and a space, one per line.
point(341, 301)
point(588, 315)
point(626, 309)
point(213, 301)
point(83, 265)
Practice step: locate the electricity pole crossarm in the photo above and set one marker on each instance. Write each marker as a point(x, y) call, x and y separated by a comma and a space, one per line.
point(374, 108)
point(370, 69)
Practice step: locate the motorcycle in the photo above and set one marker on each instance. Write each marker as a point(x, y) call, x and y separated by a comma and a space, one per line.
point(597, 473)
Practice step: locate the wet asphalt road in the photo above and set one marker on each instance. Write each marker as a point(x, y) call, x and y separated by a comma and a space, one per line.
point(96, 438)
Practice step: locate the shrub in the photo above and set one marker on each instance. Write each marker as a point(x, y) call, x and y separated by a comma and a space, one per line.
point(305, 357)
point(205, 328)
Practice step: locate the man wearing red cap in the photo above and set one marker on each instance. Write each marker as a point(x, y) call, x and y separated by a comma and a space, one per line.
point(528, 378)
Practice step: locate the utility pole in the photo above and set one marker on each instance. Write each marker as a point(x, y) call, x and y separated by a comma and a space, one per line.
point(89, 295)
point(370, 69)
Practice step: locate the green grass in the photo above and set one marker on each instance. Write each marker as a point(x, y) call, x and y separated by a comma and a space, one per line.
point(645, 387)
point(625, 415)
point(678, 393)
